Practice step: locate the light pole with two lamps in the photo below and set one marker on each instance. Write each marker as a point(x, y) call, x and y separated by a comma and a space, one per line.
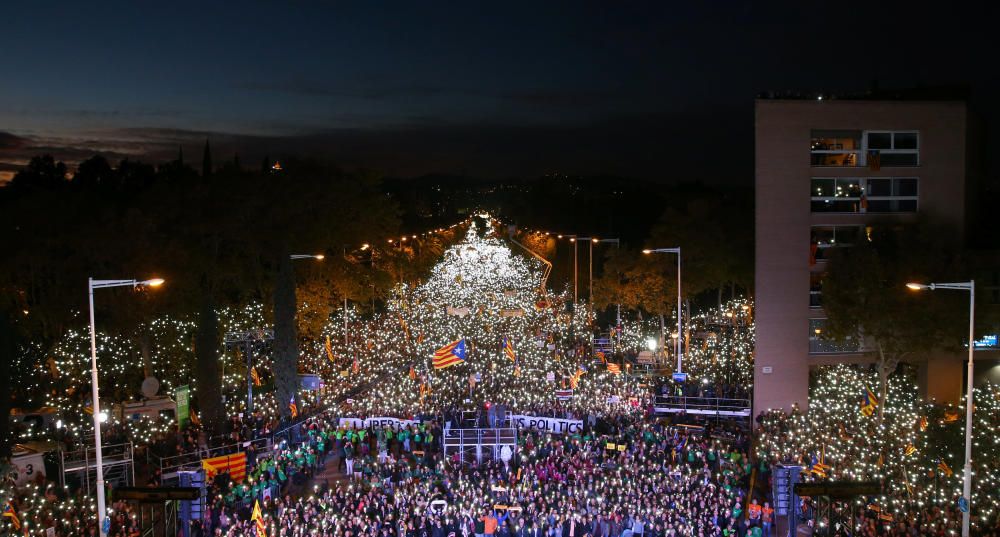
point(677, 250)
point(969, 286)
point(98, 454)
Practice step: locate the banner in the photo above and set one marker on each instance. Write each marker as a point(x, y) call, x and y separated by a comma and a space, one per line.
point(547, 425)
point(182, 397)
point(394, 423)
point(25, 468)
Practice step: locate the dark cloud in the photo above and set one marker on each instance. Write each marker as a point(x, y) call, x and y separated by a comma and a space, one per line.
point(10, 142)
point(320, 89)
point(660, 148)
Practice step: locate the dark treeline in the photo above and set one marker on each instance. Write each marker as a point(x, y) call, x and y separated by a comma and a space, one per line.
point(220, 237)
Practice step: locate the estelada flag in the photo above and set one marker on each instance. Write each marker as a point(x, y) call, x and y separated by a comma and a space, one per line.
point(508, 349)
point(235, 464)
point(258, 520)
point(9, 512)
point(449, 355)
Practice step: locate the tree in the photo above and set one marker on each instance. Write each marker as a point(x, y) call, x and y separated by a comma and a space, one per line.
point(635, 281)
point(866, 300)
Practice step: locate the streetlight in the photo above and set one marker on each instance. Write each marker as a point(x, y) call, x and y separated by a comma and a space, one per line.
point(677, 250)
point(91, 285)
point(590, 259)
point(969, 286)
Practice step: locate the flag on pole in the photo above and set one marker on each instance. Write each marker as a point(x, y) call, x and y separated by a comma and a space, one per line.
point(293, 407)
point(9, 512)
point(329, 350)
point(869, 403)
point(449, 355)
point(258, 519)
point(508, 349)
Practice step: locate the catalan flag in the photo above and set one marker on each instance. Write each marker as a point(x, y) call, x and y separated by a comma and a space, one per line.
point(575, 379)
point(922, 423)
point(944, 468)
point(329, 351)
point(869, 403)
point(11, 513)
point(235, 464)
point(258, 520)
point(449, 355)
point(508, 349)
point(600, 356)
point(614, 368)
point(818, 468)
point(255, 376)
point(910, 450)
point(413, 373)
point(293, 407)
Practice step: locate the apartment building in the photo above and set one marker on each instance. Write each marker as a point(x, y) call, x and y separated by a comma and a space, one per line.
point(825, 170)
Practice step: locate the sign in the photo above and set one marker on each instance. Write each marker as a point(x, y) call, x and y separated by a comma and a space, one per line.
point(550, 377)
point(564, 395)
point(645, 358)
point(459, 312)
point(364, 423)
point(182, 395)
point(512, 312)
point(27, 467)
point(767, 370)
point(680, 377)
point(547, 425)
point(155, 494)
point(309, 382)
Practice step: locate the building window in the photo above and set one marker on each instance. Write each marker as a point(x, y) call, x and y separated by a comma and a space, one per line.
point(818, 344)
point(864, 195)
point(815, 289)
point(894, 148)
point(822, 238)
point(836, 148)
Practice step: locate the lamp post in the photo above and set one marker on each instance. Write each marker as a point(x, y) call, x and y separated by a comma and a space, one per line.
point(969, 286)
point(590, 259)
point(98, 454)
point(677, 250)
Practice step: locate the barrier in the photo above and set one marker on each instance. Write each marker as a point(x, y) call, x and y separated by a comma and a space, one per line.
point(470, 442)
point(703, 406)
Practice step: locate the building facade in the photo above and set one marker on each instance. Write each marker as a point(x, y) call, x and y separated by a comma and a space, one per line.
point(824, 171)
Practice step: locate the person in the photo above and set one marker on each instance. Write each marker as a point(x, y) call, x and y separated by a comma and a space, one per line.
point(753, 513)
point(767, 518)
point(349, 458)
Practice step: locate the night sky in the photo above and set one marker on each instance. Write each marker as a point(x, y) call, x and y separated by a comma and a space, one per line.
point(660, 91)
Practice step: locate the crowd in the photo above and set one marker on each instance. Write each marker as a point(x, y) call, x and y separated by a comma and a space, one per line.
point(628, 475)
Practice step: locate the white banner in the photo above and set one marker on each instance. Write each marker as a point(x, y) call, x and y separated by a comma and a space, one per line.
point(27, 467)
point(379, 423)
point(547, 425)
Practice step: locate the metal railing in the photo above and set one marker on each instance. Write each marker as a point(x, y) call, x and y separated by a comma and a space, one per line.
point(170, 465)
point(85, 460)
point(705, 406)
point(483, 437)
